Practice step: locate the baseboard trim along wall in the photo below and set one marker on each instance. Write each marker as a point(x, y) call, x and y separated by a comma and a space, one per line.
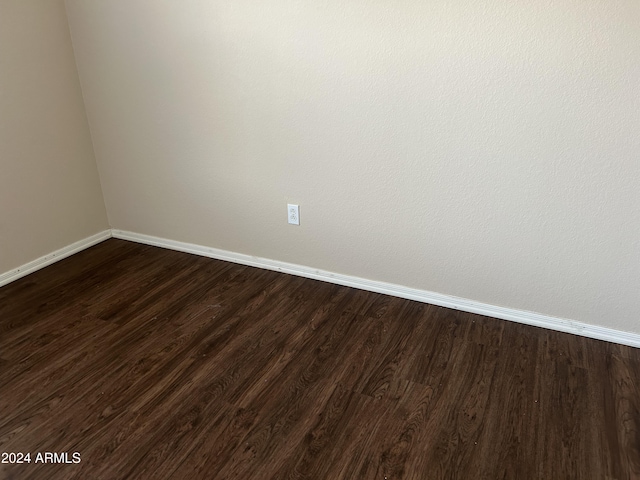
point(520, 316)
point(449, 301)
point(53, 257)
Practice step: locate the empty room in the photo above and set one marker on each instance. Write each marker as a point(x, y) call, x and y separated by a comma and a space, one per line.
point(319, 240)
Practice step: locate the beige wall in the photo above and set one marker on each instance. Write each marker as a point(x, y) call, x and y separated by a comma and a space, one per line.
point(50, 195)
point(484, 149)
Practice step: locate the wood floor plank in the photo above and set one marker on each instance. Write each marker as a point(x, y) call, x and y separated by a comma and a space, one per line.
point(507, 447)
point(624, 380)
point(157, 364)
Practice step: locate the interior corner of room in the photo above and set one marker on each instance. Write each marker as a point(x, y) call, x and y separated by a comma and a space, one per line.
point(314, 239)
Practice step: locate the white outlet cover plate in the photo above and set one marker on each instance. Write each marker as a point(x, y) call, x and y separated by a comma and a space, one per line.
point(293, 214)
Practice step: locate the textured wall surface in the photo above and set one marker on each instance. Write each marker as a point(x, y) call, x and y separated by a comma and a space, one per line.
point(484, 149)
point(50, 194)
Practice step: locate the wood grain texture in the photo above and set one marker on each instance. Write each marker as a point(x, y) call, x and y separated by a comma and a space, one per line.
point(158, 364)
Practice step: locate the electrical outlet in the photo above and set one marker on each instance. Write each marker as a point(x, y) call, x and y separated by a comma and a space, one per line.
point(294, 214)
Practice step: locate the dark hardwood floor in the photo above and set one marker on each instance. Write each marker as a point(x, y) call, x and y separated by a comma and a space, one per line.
point(154, 364)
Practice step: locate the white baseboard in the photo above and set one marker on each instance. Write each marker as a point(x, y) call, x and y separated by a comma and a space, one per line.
point(520, 316)
point(53, 257)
